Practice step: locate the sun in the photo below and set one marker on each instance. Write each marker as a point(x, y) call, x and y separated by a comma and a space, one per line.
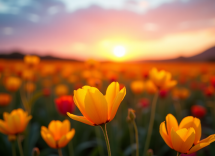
point(119, 51)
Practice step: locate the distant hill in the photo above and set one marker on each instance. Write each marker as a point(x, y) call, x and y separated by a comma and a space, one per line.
point(206, 56)
point(19, 55)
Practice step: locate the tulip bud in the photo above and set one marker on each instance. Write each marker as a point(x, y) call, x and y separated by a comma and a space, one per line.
point(131, 114)
point(35, 151)
point(5, 99)
point(150, 152)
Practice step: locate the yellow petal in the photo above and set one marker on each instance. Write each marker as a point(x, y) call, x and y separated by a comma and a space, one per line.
point(111, 93)
point(209, 139)
point(171, 122)
point(164, 134)
point(62, 142)
point(197, 147)
point(96, 106)
point(80, 119)
point(3, 128)
point(49, 140)
point(79, 97)
point(66, 138)
point(5, 116)
point(190, 121)
point(188, 140)
point(176, 138)
point(54, 128)
point(11, 124)
point(26, 121)
point(71, 134)
point(65, 127)
point(117, 102)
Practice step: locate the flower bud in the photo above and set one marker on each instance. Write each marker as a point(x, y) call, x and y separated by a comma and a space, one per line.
point(131, 114)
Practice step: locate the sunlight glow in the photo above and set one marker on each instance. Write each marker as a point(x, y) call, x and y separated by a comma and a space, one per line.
point(119, 51)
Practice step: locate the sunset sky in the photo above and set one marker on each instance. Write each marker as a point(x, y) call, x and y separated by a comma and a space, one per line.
point(82, 29)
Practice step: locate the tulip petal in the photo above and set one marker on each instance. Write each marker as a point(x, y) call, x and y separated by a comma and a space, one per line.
point(5, 116)
point(190, 121)
point(188, 140)
point(79, 97)
point(176, 138)
point(62, 142)
point(117, 102)
point(3, 127)
point(111, 93)
point(164, 135)
point(65, 127)
point(49, 140)
point(80, 119)
point(209, 139)
point(171, 122)
point(71, 134)
point(96, 106)
point(198, 147)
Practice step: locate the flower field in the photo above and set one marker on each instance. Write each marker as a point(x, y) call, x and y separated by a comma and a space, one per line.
point(51, 108)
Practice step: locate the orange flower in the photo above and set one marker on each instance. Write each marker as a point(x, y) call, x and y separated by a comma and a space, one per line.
point(5, 99)
point(137, 87)
point(15, 122)
point(185, 137)
point(162, 79)
point(12, 83)
point(58, 134)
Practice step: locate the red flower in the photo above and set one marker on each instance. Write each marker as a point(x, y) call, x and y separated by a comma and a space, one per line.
point(163, 93)
point(46, 92)
point(213, 81)
point(143, 103)
point(198, 111)
point(209, 91)
point(65, 104)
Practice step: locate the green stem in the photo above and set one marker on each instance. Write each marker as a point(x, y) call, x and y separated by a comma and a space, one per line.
point(131, 138)
point(70, 149)
point(136, 136)
point(151, 123)
point(98, 136)
point(60, 152)
point(13, 148)
point(103, 127)
point(20, 146)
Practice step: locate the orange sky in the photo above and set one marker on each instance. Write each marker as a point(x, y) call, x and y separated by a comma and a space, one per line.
point(155, 30)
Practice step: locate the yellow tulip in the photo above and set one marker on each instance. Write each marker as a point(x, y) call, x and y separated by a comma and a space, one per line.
point(31, 60)
point(137, 86)
point(97, 109)
point(58, 134)
point(12, 84)
point(162, 79)
point(61, 90)
point(15, 122)
point(185, 137)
